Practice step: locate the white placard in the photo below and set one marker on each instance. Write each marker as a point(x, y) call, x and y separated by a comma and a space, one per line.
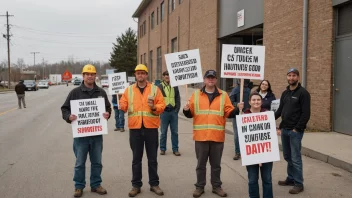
point(90, 120)
point(131, 79)
point(184, 67)
point(117, 83)
point(243, 61)
point(275, 105)
point(240, 18)
point(257, 137)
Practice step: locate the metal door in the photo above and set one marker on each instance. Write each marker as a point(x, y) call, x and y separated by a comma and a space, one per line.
point(343, 86)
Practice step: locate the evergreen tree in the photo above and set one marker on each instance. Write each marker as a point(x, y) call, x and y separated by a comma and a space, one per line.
point(124, 55)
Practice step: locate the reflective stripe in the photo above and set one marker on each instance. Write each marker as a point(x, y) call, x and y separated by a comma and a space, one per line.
point(208, 111)
point(142, 113)
point(131, 112)
point(208, 126)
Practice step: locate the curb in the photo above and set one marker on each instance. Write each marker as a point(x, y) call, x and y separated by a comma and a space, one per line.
point(306, 152)
point(4, 92)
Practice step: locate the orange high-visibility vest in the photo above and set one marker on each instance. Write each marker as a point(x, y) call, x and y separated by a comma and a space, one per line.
point(137, 106)
point(209, 119)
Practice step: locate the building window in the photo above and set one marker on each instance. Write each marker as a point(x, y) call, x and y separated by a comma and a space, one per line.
point(152, 20)
point(172, 4)
point(174, 45)
point(158, 63)
point(162, 11)
point(151, 64)
point(179, 1)
point(141, 61)
point(144, 27)
point(145, 59)
point(157, 16)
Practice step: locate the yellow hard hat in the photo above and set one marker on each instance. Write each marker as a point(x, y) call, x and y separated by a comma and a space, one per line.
point(141, 67)
point(89, 69)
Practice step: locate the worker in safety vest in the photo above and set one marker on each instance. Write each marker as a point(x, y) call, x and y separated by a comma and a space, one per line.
point(170, 114)
point(144, 103)
point(209, 108)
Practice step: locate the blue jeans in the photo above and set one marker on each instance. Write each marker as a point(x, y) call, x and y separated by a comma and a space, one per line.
point(291, 148)
point(119, 119)
point(81, 147)
point(166, 118)
point(253, 176)
point(235, 135)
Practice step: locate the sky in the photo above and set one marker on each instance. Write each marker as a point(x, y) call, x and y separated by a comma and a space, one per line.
point(59, 29)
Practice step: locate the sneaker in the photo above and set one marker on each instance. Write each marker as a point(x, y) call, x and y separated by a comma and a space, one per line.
point(162, 152)
point(220, 192)
point(24, 107)
point(78, 193)
point(157, 190)
point(122, 130)
point(117, 129)
point(100, 190)
point(198, 192)
point(286, 183)
point(296, 189)
point(176, 153)
point(134, 192)
point(237, 156)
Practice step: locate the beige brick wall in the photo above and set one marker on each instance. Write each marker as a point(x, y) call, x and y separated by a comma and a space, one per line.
point(283, 40)
point(198, 29)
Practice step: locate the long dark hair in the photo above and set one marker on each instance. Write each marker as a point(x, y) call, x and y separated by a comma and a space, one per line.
point(269, 87)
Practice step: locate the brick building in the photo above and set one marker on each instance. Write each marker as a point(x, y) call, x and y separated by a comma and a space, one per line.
point(315, 36)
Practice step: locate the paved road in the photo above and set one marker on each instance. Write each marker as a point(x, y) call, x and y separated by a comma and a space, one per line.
point(36, 158)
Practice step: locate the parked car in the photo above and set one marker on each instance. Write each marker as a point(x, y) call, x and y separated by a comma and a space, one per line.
point(30, 85)
point(43, 84)
point(77, 82)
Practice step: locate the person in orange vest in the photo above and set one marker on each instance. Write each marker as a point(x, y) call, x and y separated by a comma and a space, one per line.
point(144, 103)
point(209, 108)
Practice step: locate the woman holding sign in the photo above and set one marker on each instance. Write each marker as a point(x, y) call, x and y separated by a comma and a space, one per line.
point(267, 94)
point(255, 101)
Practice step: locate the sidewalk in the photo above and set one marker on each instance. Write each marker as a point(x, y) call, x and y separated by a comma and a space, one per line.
point(333, 148)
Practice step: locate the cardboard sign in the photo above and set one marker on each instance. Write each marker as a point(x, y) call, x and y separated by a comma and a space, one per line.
point(243, 61)
point(257, 137)
point(275, 105)
point(117, 83)
point(184, 67)
point(90, 120)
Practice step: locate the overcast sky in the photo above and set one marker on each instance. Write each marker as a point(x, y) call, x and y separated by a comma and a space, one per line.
point(84, 29)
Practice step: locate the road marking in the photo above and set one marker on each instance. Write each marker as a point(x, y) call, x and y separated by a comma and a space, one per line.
point(2, 113)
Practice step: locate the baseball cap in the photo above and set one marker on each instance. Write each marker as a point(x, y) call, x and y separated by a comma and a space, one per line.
point(210, 73)
point(294, 70)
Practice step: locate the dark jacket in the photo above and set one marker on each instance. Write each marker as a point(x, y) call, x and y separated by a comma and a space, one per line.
point(294, 109)
point(20, 88)
point(235, 96)
point(114, 102)
point(267, 100)
point(248, 111)
point(82, 92)
point(177, 97)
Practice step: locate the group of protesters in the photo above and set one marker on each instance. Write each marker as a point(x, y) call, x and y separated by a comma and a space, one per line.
point(150, 106)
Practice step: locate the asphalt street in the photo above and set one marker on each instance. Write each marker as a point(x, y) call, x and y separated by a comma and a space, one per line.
point(37, 160)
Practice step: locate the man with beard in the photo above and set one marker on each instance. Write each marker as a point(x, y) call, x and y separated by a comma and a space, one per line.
point(294, 111)
point(144, 103)
point(92, 144)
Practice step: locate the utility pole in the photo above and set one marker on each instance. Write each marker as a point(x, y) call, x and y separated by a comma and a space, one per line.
point(7, 36)
point(43, 69)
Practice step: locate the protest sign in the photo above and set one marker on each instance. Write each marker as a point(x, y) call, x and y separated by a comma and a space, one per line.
point(117, 83)
point(243, 61)
point(184, 67)
point(131, 79)
point(275, 105)
point(90, 120)
point(257, 137)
